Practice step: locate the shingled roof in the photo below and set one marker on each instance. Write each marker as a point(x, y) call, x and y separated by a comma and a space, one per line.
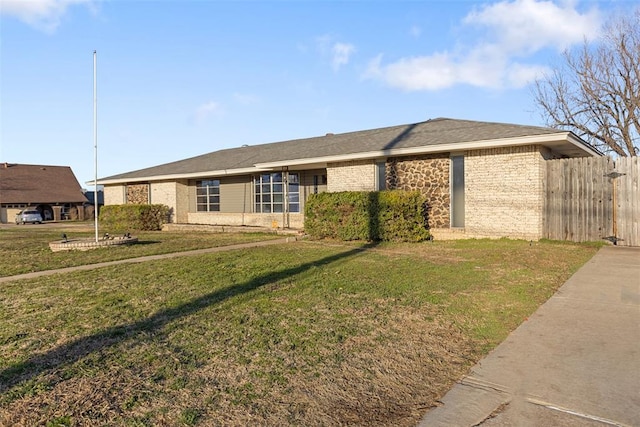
point(434, 135)
point(36, 184)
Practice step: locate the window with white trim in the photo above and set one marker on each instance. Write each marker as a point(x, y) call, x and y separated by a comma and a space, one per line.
point(271, 192)
point(208, 195)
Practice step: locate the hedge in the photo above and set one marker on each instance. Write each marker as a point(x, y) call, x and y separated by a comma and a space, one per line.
point(120, 218)
point(380, 215)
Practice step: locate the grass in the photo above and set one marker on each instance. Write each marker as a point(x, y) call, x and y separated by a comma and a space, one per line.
point(25, 249)
point(305, 333)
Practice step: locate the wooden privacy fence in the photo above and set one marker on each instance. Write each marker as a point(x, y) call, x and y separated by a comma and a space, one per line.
point(593, 198)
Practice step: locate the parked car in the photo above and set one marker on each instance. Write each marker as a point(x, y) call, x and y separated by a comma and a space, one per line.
point(26, 216)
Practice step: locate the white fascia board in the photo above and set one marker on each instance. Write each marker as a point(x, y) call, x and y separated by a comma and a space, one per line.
point(439, 148)
point(578, 142)
point(548, 139)
point(216, 173)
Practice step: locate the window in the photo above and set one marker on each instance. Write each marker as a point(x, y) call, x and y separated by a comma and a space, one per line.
point(381, 176)
point(457, 191)
point(208, 195)
point(319, 183)
point(270, 194)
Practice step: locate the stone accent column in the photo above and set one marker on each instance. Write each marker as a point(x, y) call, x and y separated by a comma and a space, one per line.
point(428, 174)
point(138, 194)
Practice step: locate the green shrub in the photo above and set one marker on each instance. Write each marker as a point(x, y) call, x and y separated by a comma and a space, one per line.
point(403, 216)
point(385, 215)
point(119, 218)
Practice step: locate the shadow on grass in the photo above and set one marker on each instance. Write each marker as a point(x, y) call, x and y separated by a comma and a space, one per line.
point(82, 347)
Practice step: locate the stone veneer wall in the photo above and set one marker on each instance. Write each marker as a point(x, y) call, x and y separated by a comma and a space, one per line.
point(427, 174)
point(504, 192)
point(138, 194)
point(351, 176)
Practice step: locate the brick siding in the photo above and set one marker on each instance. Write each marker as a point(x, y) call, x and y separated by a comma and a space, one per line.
point(351, 176)
point(114, 194)
point(169, 193)
point(504, 192)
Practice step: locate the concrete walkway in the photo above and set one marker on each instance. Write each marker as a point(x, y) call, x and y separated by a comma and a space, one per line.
point(148, 258)
point(575, 362)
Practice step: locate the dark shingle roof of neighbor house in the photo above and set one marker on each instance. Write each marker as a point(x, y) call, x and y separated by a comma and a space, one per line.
point(430, 134)
point(35, 184)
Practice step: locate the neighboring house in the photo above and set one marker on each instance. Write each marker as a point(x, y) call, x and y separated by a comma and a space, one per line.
point(90, 195)
point(52, 190)
point(482, 179)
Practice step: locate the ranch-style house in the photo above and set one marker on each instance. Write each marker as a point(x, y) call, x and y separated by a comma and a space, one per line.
point(482, 179)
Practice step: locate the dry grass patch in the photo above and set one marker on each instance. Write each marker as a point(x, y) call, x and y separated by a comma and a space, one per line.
point(301, 334)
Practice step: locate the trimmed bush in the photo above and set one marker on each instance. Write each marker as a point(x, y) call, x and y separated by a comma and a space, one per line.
point(403, 216)
point(120, 218)
point(385, 215)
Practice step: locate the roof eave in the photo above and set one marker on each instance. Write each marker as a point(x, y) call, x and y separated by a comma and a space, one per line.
point(170, 177)
point(451, 147)
point(580, 143)
point(550, 140)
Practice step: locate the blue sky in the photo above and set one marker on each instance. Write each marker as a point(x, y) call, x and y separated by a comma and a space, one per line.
point(181, 78)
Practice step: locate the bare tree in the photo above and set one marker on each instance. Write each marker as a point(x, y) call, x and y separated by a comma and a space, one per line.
point(596, 92)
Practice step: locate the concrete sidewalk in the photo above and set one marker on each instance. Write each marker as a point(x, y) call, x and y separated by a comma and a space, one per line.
point(575, 362)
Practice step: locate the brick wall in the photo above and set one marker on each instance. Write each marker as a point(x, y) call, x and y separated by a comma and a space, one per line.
point(164, 193)
point(351, 176)
point(504, 192)
point(276, 220)
point(182, 202)
point(172, 194)
point(114, 194)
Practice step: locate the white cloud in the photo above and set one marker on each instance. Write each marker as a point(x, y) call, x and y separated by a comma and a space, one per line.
point(511, 33)
point(529, 25)
point(341, 54)
point(419, 73)
point(206, 110)
point(444, 70)
point(44, 15)
point(519, 75)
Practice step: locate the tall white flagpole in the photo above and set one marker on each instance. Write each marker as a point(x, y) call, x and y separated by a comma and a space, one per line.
point(95, 145)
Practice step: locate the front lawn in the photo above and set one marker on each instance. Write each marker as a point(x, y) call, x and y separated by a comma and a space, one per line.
point(26, 249)
point(304, 333)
